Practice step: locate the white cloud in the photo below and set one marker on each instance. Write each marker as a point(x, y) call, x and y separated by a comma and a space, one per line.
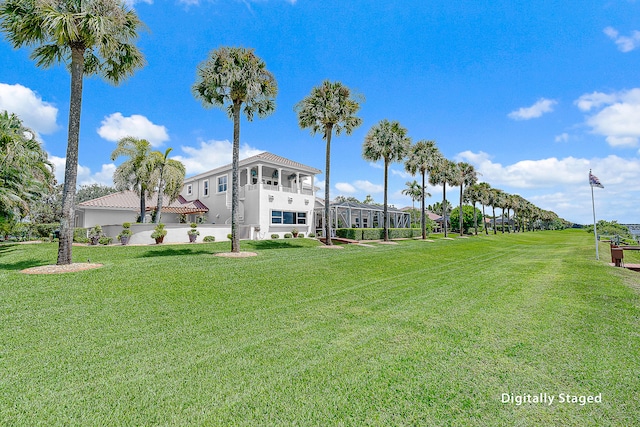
point(211, 154)
point(541, 107)
point(624, 43)
point(85, 176)
point(401, 173)
point(368, 187)
point(563, 137)
point(345, 187)
point(561, 185)
point(618, 118)
point(36, 114)
point(116, 126)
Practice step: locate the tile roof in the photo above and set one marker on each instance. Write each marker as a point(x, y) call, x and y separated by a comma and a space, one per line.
point(130, 200)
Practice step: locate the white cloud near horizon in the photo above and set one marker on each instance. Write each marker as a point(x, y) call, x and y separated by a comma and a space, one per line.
point(116, 126)
point(617, 116)
point(625, 43)
point(36, 114)
point(541, 107)
point(211, 154)
point(561, 185)
point(85, 177)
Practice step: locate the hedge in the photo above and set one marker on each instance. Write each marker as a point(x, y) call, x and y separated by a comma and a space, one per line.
point(377, 233)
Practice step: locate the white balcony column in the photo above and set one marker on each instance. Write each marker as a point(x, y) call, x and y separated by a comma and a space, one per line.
point(279, 179)
point(298, 184)
point(248, 172)
point(260, 175)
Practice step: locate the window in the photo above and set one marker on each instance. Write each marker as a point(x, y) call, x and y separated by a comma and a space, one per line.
point(222, 184)
point(205, 189)
point(189, 189)
point(286, 217)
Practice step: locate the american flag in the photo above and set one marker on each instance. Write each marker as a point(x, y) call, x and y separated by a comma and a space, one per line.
point(594, 181)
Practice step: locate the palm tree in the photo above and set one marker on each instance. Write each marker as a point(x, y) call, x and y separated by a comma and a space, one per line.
point(135, 172)
point(465, 175)
point(443, 173)
point(495, 200)
point(169, 175)
point(423, 157)
point(234, 77)
point(414, 191)
point(26, 174)
point(387, 141)
point(95, 37)
point(329, 108)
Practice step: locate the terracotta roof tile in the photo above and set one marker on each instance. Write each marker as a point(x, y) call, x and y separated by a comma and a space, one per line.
point(130, 200)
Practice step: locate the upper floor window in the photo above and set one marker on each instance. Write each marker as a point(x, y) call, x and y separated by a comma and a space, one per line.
point(189, 189)
point(222, 184)
point(205, 188)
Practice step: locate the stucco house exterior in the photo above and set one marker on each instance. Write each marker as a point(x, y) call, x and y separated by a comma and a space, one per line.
point(276, 195)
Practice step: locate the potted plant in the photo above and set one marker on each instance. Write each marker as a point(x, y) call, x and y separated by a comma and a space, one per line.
point(94, 235)
point(193, 233)
point(158, 233)
point(125, 234)
point(295, 232)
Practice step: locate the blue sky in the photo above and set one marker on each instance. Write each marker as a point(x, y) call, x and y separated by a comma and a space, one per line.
point(532, 93)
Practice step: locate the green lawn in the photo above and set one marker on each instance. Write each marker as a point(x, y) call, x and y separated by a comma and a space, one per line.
point(414, 334)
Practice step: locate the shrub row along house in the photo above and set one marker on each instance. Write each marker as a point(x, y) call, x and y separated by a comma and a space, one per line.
point(276, 196)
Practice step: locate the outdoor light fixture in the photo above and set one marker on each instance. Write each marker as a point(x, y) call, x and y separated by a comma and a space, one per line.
point(306, 201)
point(271, 197)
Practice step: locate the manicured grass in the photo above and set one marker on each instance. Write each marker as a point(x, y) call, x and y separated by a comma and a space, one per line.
point(417, 333)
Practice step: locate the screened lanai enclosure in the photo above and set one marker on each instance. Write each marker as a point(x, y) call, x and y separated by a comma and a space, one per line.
point(359, 215)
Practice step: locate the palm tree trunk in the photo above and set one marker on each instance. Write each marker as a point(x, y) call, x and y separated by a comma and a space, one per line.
point(460, 212)
point(493, 210)
point(502, 220)
point(475, 219)
point(235, 187)
point(423, 214)
point(444, 207)
point(71, 166)
point(386, 211)
point(484, 222)
point(160, 197)
point(327, 218)
point(143, 207)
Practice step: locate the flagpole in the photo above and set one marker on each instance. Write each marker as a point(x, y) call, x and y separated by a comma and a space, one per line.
point(593, 206)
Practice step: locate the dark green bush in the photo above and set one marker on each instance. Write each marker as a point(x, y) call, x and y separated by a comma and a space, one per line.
point(208, 239)
point(377, 233)
point(275, 236)
point(288, 235)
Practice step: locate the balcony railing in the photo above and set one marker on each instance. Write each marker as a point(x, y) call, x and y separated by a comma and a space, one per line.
point(253, 187)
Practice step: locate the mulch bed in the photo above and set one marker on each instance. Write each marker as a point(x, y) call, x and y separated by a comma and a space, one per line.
point(57, 269)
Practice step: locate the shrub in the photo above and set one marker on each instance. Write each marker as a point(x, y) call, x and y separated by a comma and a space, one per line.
point(80, 235)
point(159, 231)
point(229, 236)
point(376, 233)
point(275, 236)
point(209, 239)
point(288, 235)
point(312, 235)
point(300, 235)
point(105, 240)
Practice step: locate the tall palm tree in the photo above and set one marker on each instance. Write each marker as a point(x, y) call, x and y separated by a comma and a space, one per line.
point(465, 175)
point(135, 172)
point(423, 156)
point(236, 79)
point(443, 173)
point(329, 108)
point(169, 176)
point(387, 141)
point(26, 174)
point(95, 37)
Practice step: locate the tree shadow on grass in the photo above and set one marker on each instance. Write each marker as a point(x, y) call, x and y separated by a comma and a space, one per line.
point(157, 252)
point(273, 244)
point(21, 265)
